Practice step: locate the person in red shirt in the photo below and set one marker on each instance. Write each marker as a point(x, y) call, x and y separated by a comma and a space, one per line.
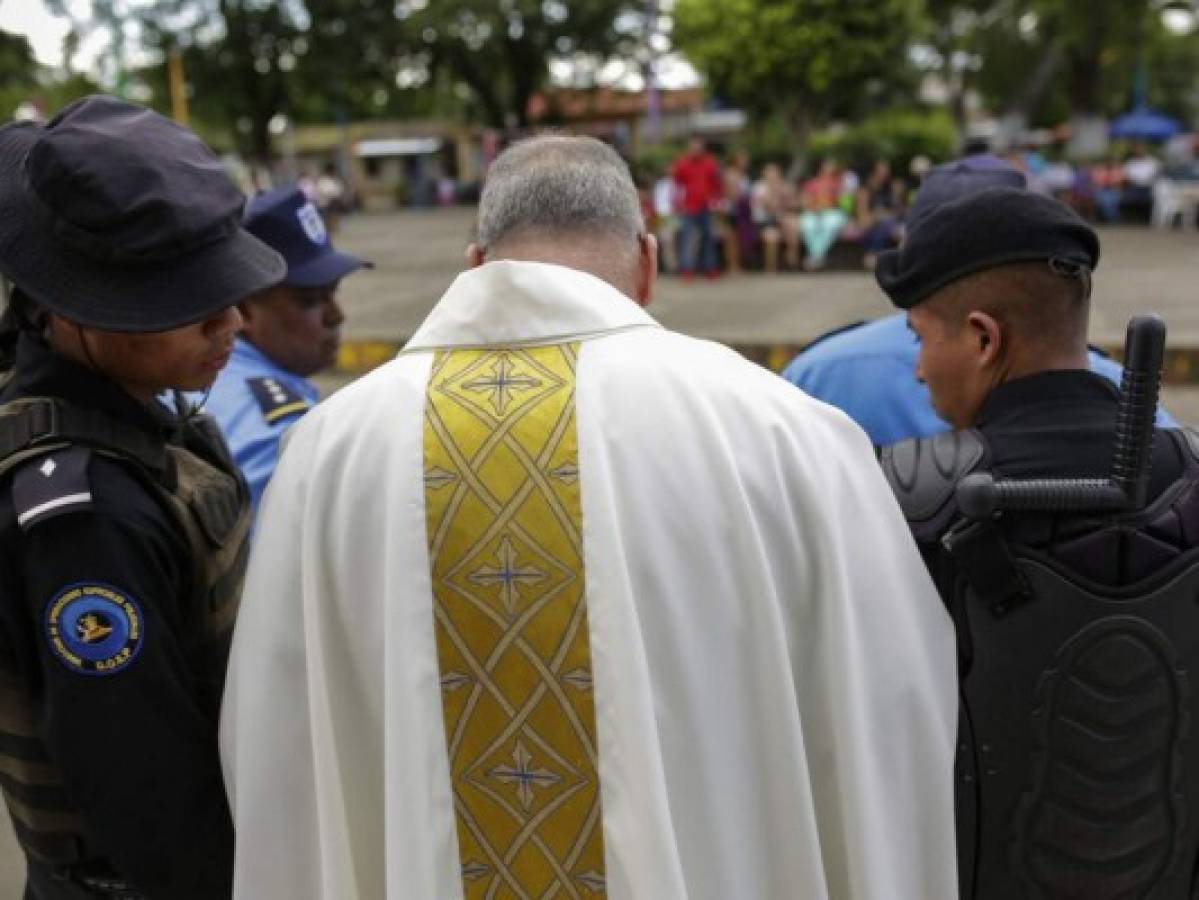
point(700, 190)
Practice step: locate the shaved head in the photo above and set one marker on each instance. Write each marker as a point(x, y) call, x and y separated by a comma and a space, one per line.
point(1040, 306)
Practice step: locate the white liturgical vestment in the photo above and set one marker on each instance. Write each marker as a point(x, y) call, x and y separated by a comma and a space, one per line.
point(559, 603)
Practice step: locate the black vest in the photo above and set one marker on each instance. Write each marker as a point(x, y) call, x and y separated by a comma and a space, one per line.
point(1077, 770)
point(201, 490)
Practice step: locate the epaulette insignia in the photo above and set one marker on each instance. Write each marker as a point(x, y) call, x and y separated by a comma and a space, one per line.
point(277, 400)
point(52, 485)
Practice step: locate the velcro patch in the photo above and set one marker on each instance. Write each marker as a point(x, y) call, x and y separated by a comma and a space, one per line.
point(52, 485)
point(276, 399)
point(94, 629)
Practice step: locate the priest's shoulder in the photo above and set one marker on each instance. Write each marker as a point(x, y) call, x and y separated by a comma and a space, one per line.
point(370, 401)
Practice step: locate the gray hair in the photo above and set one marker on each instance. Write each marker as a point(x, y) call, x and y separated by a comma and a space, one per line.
point(557, 185)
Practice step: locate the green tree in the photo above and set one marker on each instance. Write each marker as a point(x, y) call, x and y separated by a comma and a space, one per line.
point(247, 61)
point(501, 51)
point(240, 79)
point(1048, 60)
point(815, 59)
point(23, 79)
point(18, 67)
point(953, 33)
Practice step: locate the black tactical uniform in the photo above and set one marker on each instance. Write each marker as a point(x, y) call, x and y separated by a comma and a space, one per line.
point(111, 701)
point(1071, 776)
point(1077, 773)
point(123, 523)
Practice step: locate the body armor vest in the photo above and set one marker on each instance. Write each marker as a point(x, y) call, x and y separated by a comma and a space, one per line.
point(1077, 773)
point(199, 487)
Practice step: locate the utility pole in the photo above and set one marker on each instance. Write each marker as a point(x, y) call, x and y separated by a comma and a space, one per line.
point(653, 101)
point(178, 85)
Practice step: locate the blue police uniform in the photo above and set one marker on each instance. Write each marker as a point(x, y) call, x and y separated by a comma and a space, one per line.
point(869, 372)
point(255, 401)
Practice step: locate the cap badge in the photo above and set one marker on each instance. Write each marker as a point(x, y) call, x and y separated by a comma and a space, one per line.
point(310, 221)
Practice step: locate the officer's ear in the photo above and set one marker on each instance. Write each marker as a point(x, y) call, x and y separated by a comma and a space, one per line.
point(475, 255)
point(987, 336)
point(248, 313)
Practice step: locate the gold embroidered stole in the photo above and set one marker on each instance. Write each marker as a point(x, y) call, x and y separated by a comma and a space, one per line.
point(506, 549)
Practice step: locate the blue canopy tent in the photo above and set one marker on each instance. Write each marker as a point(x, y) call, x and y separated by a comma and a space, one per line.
point(1145, 125)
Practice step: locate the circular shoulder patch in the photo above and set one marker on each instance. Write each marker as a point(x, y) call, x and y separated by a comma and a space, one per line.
point(94, 629)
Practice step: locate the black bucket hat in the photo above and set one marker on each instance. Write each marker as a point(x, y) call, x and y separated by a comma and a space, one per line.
point(117, 218)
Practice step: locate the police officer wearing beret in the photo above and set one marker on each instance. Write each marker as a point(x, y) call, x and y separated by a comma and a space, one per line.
point(867, 370)
point(123, 521)
point(1077, 774)
point(289, 332)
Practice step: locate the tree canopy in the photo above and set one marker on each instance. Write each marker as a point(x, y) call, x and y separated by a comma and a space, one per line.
point(23, 80)
point(249, 61)
point(814, 59)
point(806, 63)
point(500, 51)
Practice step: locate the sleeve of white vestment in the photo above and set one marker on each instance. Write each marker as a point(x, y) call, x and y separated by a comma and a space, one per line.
point(877, 688)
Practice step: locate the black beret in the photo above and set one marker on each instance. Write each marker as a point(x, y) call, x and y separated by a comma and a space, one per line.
point(981, 231)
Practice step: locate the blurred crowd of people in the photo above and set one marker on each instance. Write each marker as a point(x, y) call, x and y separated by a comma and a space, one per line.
point(713, 216)
point(1138, 185)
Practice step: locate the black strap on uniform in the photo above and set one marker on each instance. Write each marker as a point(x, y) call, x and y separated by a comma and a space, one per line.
point(45, 421)
point(983, 557)
point(98, 881)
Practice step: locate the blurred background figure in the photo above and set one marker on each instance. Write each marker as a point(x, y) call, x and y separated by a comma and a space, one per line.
point(700, 185)
point(822, 217)
point(737, 233)
point(666, 221)
point(880, 209)
point(774, 202)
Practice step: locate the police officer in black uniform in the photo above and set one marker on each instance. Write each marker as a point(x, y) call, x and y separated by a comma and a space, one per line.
point(1078, 770)
point(122, 520)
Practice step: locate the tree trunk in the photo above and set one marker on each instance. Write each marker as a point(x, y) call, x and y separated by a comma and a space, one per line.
point(1033, 91)
point(800, 124)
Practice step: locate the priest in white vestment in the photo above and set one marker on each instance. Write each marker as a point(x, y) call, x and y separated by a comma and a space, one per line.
point(560, 603)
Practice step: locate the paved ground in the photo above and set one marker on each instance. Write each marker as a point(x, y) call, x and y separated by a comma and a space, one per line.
point(418, 254)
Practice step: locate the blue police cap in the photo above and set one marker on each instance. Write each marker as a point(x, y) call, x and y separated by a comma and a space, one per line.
point(285, 219)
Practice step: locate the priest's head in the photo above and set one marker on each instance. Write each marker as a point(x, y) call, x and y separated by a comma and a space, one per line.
point(997, 286)
point(569, 201)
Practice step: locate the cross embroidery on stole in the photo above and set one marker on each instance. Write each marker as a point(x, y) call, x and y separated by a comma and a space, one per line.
point(505, 545)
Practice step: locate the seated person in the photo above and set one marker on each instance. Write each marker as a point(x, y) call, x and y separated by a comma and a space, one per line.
point(1108, 178)
point(290, 332)
point(773, 202)
point(880, 204)
point(1076, 775)
point(822, 218)
point(1141, 171)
